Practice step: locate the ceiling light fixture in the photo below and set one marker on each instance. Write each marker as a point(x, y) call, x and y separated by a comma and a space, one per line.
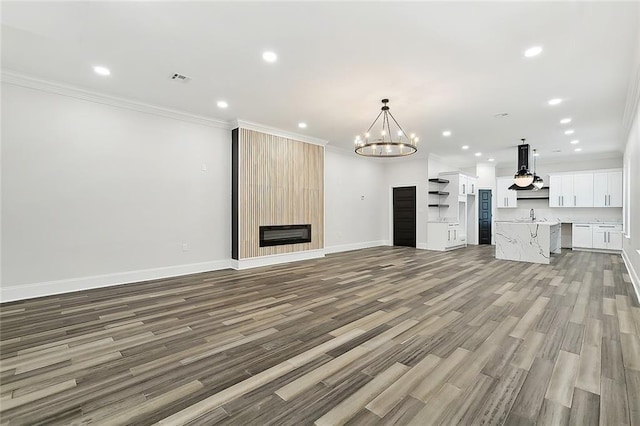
point(565, 121)
point(575, 142)
point(537, 183)
point(302, 125)
point(554, 101)
point(446, 133)
point(523, 178)
point(578, 149)
point(465, 146)
point(492, 159)
point(533, 51)
point(385, 146)
point(478, 154)
point(101, 70)
point(269, 56)
point(569, 132)
point(222, 104)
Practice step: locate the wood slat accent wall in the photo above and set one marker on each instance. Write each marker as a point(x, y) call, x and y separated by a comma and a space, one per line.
point(280, 182)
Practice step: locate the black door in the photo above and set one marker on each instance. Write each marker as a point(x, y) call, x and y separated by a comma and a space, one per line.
point(404, 216)
point(484, 216)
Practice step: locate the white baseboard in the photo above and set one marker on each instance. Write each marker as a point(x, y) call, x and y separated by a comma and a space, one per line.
point(633, 274)
point(422, 246)
point(276, 259)
point(355, 246)
point(49, 288)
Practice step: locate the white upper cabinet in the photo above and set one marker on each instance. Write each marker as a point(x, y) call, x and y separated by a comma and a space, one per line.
point(586, 189)
point(561, 193)
point(507, 198)
point(463, 185)
point(607, 189)
point(583, 190)
point(472, 184)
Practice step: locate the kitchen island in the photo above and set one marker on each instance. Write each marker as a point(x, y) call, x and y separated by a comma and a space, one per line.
point(527, 241)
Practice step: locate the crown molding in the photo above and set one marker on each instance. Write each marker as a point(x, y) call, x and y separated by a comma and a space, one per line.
point(276, 132)
point(29, 82)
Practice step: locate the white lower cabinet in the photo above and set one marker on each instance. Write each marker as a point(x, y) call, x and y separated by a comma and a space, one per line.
point(443, 236)
point(581, 236)
point(596, 236)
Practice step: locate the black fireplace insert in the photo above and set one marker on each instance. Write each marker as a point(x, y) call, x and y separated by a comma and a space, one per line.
point(284, 234)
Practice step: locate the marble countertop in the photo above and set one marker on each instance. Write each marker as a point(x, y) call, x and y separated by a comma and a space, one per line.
point(528, 222)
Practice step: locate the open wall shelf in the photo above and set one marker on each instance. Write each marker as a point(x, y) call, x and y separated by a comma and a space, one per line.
point(438, 192)
point(438, 180)
point(438, 205)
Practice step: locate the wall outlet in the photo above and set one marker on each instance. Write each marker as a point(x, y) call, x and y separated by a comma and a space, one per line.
point(185, 247)
point(362, 197)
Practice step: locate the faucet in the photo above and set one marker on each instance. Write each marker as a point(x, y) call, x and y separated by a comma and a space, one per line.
point(532, 215)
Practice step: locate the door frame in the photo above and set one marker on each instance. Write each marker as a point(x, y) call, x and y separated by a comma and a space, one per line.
point(390, 241)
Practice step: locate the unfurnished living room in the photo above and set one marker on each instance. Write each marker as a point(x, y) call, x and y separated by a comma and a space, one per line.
point(320, 213)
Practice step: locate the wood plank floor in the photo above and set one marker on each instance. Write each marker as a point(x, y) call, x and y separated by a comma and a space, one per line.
point(386, 335)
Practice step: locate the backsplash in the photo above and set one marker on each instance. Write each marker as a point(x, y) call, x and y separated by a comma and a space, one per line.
point(571, 215)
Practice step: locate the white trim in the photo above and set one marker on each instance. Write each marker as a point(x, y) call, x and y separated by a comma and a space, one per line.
point(101, 98)
point(276, 132)
point(48, 288)
point(276, 259)
point(422, 246)
point(633, 274)
point(355, 246)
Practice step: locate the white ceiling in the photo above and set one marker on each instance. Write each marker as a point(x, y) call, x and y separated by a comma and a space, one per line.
point(445, 66)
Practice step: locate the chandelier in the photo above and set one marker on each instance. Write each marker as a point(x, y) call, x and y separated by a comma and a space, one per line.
point(385, 145)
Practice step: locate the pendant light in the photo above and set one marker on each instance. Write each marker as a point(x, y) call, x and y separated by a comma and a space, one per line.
point(537, 180)
point(523, 177)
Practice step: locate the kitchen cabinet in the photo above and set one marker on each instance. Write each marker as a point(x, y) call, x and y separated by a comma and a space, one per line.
point(506, 198)
point(472, 184)
point(443, 236)
point(607, 189)
point(586, 189)
point(608, 237)
point(597, 236)
point(583, 190)
point(581, 236)
point(463, 185)
point(561, 191)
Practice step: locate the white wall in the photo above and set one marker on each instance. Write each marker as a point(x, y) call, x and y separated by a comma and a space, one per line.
point(631, 242)
point(94, 194)
point(352, 222)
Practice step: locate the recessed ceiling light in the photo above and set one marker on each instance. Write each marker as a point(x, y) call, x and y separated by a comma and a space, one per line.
point(492, 159)
point(302, 125)
point(478, 154)
point(578, 149)
point(575, 141)
point(569, 132)
point(222, 104)
point(565, 121)
point(554, 101)
point(446, 133)
point(533, 51)
point(536, 155)
point(465, 146)
point(102, 70)
point(269, 56)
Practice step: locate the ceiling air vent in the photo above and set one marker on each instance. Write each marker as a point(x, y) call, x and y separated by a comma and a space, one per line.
point(180, 77)
point(501, 114)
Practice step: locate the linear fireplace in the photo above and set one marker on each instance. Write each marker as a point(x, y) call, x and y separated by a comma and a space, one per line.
point(285, 234)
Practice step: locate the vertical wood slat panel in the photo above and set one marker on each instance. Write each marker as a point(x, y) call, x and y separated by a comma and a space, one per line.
point(281, 182)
